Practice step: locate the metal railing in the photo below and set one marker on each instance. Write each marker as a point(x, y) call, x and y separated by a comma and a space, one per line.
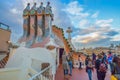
point(4, 26)
point(45, 74)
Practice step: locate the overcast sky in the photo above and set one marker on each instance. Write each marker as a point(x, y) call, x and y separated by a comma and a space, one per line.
point(94, 22)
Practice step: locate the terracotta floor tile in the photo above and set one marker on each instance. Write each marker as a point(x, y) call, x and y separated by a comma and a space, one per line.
point(78, 75)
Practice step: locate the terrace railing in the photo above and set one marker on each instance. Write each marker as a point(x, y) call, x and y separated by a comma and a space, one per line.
point(4, 26)
point(45, 74)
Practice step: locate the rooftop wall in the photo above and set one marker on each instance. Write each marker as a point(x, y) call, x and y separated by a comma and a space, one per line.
point(4, 37)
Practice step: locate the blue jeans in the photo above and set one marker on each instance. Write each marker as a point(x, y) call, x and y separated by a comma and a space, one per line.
point(65, 71)
point(70, 66)
point(89, 71)
point(111, 66)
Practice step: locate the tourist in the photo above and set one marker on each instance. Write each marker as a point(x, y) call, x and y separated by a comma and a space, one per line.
point(104, 58)
point(101, 67)
point(110, 58)
point(80, 62)
point(89, 68)
point(70, 62)
point(65, 65)
point(86, 60)
point(93, 58)
point(115, 67)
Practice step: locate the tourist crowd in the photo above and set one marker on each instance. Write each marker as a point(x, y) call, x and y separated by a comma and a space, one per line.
point(101, 63)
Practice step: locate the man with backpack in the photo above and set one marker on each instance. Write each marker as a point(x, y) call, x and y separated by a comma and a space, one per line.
point(101, 68)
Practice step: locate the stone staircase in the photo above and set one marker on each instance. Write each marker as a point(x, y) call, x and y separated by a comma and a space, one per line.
point(4, 61)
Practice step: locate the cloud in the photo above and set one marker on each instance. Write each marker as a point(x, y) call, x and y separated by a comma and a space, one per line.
point(116, 38)
point(95, 15)
point(112, 33)
point(94, 33)
point(93, 28)
point(92, 37)
point(104, 23)
point(75, 9)
point(105, 42)
point(83, 23)
point(14, 11)
point(76, 13)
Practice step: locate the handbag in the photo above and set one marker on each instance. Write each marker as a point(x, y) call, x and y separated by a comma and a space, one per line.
point(117, 76)
point(113, 77)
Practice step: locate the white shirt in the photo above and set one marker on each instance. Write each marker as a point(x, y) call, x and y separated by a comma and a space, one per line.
point(79, 59)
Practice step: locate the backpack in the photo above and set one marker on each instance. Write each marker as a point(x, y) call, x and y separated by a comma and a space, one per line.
point(102, 67)
point(110, 58)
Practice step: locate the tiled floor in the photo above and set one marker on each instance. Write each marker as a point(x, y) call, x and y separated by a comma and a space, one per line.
point(78, 75)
